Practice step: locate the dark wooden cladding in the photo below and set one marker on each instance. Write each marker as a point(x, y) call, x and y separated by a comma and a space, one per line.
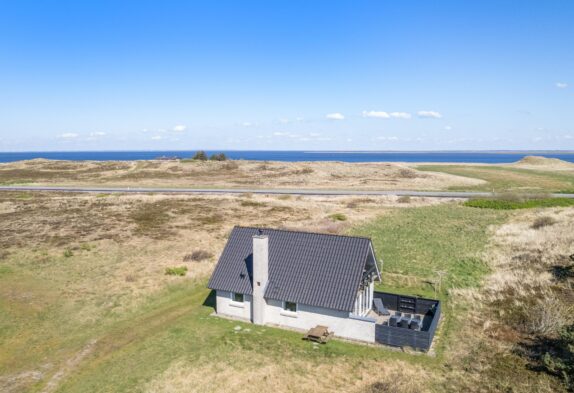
point(402, 337)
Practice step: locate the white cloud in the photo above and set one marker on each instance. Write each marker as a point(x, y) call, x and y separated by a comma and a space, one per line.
point(97, 133)
point(335, 116)
point(387, 115)
point(387, 138)
point(179, 128)
point(284, 121)
point(429, 115)
point(280, 133)
point(448, 128)
point(68, 135)
point(377, 114)
point(314, 134)
point(156, 137)
point(400, 115)
point(561, 85)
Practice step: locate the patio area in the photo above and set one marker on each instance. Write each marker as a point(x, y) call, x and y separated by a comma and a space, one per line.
point(411, 321)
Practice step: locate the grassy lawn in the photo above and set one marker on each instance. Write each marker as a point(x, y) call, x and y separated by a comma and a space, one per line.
point(174, 325)
point(501, 178)
point(416, 243)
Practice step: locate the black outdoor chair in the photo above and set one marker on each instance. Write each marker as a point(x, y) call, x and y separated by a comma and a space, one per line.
point(415, 324)
point(380, 308)
point(404, 322)
point(409, 316)
point(393, 321)
point(398, 313)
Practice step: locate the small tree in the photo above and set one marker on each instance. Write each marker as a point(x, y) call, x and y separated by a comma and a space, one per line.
point(218, 157)
point(200, 155)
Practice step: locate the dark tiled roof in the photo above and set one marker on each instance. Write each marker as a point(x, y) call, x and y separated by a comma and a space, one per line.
point(308, 268)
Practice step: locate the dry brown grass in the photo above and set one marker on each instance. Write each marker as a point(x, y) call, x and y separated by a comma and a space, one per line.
point(319, 175)
point(520, 300)
point(252, 373)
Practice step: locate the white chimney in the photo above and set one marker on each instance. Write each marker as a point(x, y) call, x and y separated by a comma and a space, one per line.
point(260, 276)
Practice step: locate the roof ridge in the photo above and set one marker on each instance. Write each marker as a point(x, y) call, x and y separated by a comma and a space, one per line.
point(302, 231)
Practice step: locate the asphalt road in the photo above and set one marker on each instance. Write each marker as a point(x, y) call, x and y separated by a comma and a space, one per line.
point(433, 194)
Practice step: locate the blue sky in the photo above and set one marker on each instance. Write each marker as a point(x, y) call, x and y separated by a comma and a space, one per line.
point(320, 75)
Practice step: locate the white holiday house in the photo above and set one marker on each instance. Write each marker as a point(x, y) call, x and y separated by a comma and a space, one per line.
point(298, 280)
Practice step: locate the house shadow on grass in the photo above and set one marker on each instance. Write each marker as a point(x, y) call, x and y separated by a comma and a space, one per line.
point(209, 301)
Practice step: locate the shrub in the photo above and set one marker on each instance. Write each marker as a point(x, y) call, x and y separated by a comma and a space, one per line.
point(252, 204)
point(406, 173)
point(547, 317)
point(404, 199)
point(200, 155)
point(304, 171)
point(87, 247)
point(230, 166)
point(68, 253)
point(176, 271)
point(560, 361)
point(218, 157)
point(197, 255)
point(338, 217)
point(542, 222)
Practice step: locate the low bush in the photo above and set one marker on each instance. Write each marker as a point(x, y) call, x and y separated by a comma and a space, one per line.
point(252, 204)
point(200, 155)
point(218, 157)
point(197, 255)
point(230, 166)
point(542, 222)
point(176, 271)
point(404, 199)
point(406, 173)
point(68, 253)
point(502, 204)
point(338, 217)
point(560, 361)
point(303, 171)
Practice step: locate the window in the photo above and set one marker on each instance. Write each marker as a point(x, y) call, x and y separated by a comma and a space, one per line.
point(290, 306)
point(237, 297)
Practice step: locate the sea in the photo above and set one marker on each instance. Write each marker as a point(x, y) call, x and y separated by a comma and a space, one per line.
point(486, 157)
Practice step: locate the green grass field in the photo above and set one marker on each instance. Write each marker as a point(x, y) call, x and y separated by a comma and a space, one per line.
point(501, 179)
point(415, 244)
point(502, 204)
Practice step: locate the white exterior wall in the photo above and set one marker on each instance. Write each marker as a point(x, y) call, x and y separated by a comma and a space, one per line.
point(226, 306)
point(308, 317)
point(341, 323)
